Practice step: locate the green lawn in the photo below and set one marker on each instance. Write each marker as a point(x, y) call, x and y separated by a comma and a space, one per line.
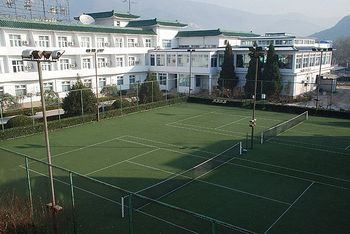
point(298, 182)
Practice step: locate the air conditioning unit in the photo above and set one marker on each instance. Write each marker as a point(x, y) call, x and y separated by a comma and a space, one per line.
point(25, 43)
point(73, 65)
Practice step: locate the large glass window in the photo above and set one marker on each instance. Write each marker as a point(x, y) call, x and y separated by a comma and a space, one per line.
point(131, 42)
point(120, 80)
point(148, 42)
point(101, 62)
point(17, 66)
point(131, 61)
point(160, 59)
point(65, 86)
point(64, 64)
point(15, 40)
point(119, 61)
point(184, 80)
point(285, 61)
point(242, 60)
point(183, 60)
point(20, 90)
point(171, 60)
point(119, 42)
point(214, 61)
point(166, 43)
point(200, 60)
point(306, 60)
point(85, 42)
point(162, 78)
point(132, 79)
point(101, 42)
point(298, 62)
point(102, 82)
point(87, 83)
point(86, 63)
point(44, 41)
point(48, 86)
point(153, 60)
point(62, 42)
point(2, 92)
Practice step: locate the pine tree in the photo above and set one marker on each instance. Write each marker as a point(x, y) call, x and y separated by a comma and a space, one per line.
point(228, 79)
point(272, 77)
point(250, 78)
point(72, 102)
point(150, 90)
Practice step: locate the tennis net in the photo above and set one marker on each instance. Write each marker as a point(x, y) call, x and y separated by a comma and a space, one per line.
point(282, 127)
point(177, 181)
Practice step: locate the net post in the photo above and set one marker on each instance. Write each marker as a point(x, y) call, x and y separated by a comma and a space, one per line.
point(73, 200)
point(29, 188)
point(122, 204)
point(213, 227)
point(262, 138)
point(240, 148)
point(307, 115)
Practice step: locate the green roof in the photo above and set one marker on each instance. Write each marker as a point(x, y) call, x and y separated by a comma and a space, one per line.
point(155, 21)
point(107, 14)
point(70, 27)
point(215, 32)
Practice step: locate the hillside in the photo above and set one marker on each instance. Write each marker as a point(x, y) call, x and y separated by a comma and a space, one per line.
point(341, 29)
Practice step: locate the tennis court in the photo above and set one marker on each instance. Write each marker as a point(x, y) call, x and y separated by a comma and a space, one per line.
point(186, 159)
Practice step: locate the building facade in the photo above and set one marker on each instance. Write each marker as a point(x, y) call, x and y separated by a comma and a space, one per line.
point(132, 48)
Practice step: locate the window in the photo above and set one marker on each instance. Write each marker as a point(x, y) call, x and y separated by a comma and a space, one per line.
point(162, 78)
point(242, 60)
point(21, 90)
point(117, 23)
point(131, 42)
point(86, 63)
point(17, 66)
point(152, 58)
point(46, 67)
point(119, 42)
point(285, 61)
point(120, 80)
point(132, 61)
point(62, 42)
point(160, 59)
point(132, 79)
point(198, 81)
point(65, 86)
point(2, 90)
point(102, 82)
point(15, 40)
point(87, 83)
point(101, 62)
point(298, 61)
point(184, 80)
point(306, 60)
point(119, 62)
point(148, 43)
point(101, 42)
point(48, 86)
point(171, 60)
point(200, 60)
point(44, 41)
point(64, 64)
point(166, 43)
point(183, 60)
point(85, 42)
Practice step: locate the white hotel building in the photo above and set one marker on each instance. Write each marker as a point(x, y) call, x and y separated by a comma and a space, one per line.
point(132, 48)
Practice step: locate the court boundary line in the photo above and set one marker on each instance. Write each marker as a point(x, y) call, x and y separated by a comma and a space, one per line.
point(295, 201)
point(255, 162)
point(191, 117)
point(110, 200)
point(231, 123)
point(213, 184)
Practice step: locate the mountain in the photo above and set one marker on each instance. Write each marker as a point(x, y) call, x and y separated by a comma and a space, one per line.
point(341, 29)
point(207, 16)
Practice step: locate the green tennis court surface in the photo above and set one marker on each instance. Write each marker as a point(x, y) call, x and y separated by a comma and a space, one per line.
point(297, 182)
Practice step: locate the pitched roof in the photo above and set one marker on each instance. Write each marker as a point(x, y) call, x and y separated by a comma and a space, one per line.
point(107, 14)
point(214, 32)
point(155, 21)
point(6, 23)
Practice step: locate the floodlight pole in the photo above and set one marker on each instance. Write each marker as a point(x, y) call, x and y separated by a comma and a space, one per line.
point(189, 83)
point(2, 118)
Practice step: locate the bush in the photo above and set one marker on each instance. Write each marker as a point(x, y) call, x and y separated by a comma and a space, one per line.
point(19, 121)
point(124, 103)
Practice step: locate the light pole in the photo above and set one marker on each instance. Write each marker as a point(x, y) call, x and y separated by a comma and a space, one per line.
point(189, 84)
point(95, 52)
point(319, 72)
point(255, 53)
point(45, 57)
point(2, 118)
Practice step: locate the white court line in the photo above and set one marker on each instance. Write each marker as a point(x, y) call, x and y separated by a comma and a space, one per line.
point(231, 123)
point(120, 162)
point(252, 161)
point(213, 184)
point(288, 208)
point(206, 128)
point(192, 117)
point(347, 147)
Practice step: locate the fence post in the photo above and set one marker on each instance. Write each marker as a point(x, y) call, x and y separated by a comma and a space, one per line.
point(121, 100)
point(152, 91)
point(213, 227)
point(131, 225)
point(82, 102)
point(29, 188)
point(73, 201)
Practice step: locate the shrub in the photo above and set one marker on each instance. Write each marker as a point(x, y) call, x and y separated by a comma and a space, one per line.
point(126, 102)
point(19, 121)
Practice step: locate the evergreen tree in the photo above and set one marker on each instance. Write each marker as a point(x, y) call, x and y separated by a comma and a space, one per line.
point(250, 77)
point(72, 102)
point(228, 79)
point(150, 90)
point(272, 77)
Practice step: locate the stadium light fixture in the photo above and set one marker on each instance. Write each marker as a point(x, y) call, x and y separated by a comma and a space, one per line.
point(95, 52)
point(39, 57)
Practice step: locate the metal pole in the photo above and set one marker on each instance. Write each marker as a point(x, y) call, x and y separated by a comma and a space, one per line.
point(81, 102)
point(52, 205)
point(97, 102)
point(189, 83)
point(31, 106)
point(254, 98)
point(29, 187)
point(73, 201)
point(318, 81)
